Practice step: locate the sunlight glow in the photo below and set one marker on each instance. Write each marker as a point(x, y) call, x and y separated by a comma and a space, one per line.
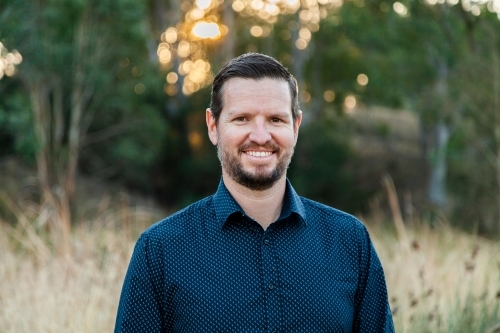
point(203, 4)
point(206, 30)
point(9, 61)
point(182, 50)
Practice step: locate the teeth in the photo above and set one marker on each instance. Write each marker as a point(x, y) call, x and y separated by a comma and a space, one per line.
point(259, 153)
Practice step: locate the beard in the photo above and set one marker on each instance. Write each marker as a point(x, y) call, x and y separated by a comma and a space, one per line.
point(262, 179)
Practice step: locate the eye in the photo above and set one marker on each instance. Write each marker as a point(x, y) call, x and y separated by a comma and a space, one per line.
point(276, 120)
point(240, 118)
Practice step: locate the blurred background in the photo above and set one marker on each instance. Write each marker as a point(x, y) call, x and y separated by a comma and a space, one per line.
point(102, 131)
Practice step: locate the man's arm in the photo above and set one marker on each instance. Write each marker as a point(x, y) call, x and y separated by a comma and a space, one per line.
point(139, 309)
point(372, 312)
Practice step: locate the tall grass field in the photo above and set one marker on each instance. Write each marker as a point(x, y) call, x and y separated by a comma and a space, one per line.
point(439, 279)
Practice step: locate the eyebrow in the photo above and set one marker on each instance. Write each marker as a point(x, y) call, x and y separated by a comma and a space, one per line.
point(231, 114)
point(281, 114)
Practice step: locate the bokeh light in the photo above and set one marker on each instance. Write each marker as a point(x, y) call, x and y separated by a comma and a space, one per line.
point(400, 9)
point(206, 30)
point(186, 42)
point(256, 31)
point(285, 34)
point(182, 50)
point(362, 79)
point(124, 62)
point(8, 61)
point(350, 102)
point(195, 139)
point(139, 88)
point(170, 35)
point(304, 96)
point(329, 96)
point(172, 77)
point(203, 4)
point(136, 71)
point(170, 89)
point(301, 44)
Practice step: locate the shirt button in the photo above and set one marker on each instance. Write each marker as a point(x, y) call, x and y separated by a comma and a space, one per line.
point(270, 286)
point(266, 241)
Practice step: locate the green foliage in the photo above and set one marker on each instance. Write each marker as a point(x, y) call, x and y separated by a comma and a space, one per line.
point(101, 48)
point(16, 126)
point(186, 172)
point(320, 169)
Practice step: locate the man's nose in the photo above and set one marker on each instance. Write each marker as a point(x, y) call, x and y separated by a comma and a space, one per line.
point(260, 132)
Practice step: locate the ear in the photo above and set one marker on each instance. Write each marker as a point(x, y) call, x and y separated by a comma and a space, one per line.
point(212, 126)
point(296, 125)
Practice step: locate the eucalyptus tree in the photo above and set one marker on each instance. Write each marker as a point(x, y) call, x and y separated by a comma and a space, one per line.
point(82, 69)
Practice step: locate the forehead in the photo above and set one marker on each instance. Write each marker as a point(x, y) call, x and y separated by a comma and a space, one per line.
point(256, 93)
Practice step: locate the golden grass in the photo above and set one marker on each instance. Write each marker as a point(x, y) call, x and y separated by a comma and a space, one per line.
point(442, 280)
point(42, 290)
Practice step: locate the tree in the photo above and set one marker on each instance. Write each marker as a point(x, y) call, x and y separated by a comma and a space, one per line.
point(75, 53)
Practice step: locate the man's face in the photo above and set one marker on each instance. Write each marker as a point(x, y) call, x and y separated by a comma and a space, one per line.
point(256, 133)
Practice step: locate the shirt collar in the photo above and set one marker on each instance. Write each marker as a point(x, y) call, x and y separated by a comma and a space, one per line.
point(225, 205)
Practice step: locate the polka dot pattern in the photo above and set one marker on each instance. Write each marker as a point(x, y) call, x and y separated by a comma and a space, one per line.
point(211, 268)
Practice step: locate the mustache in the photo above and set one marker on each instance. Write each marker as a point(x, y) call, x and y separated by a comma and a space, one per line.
point(267, 145)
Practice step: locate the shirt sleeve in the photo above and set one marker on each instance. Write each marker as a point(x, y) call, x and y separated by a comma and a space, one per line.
point(139, 309)
point(372, 311)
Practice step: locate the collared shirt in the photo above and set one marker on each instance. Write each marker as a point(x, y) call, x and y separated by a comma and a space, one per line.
point(211, 268)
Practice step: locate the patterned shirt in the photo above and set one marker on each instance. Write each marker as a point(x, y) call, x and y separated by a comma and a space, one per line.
point(211, 268)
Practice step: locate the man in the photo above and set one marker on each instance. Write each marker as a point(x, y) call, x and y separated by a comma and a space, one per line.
point(255, 257)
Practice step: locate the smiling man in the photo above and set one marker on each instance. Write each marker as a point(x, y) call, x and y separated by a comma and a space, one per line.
point(255, 256)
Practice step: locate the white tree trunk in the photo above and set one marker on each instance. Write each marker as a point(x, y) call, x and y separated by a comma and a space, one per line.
point(437, 186)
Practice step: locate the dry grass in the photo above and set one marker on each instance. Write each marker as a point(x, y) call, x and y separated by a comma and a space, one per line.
point(441, 280)
point(44, 291)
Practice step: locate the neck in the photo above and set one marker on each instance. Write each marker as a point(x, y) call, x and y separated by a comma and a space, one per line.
point(262, 206)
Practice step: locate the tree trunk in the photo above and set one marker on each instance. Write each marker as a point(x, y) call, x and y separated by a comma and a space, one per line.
point(175, 103)
point(39, 102)
point(230, 40)
point(298, 56)
point(496, 118)
point(437, 186)
point(77, 107)
point(52, 193)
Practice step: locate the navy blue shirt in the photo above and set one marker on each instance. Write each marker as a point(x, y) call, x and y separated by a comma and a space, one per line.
point(211, 268)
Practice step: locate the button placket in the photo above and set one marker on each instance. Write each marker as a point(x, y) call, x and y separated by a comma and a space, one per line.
point(270, 275)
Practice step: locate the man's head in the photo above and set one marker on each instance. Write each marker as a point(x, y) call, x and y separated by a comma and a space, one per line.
point(256, 121)
point(252, 66)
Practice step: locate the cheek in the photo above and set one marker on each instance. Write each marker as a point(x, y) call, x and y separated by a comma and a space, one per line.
point(234, 137)
point(286, 139)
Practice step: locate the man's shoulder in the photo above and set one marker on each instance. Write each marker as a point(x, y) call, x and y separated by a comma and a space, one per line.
point(319, 213)
point(182, 221)
point(336, 227)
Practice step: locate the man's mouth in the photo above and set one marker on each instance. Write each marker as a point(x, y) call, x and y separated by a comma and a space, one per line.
point(259, 153)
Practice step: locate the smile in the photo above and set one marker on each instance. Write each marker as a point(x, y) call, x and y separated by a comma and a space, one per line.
point(259, 153)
